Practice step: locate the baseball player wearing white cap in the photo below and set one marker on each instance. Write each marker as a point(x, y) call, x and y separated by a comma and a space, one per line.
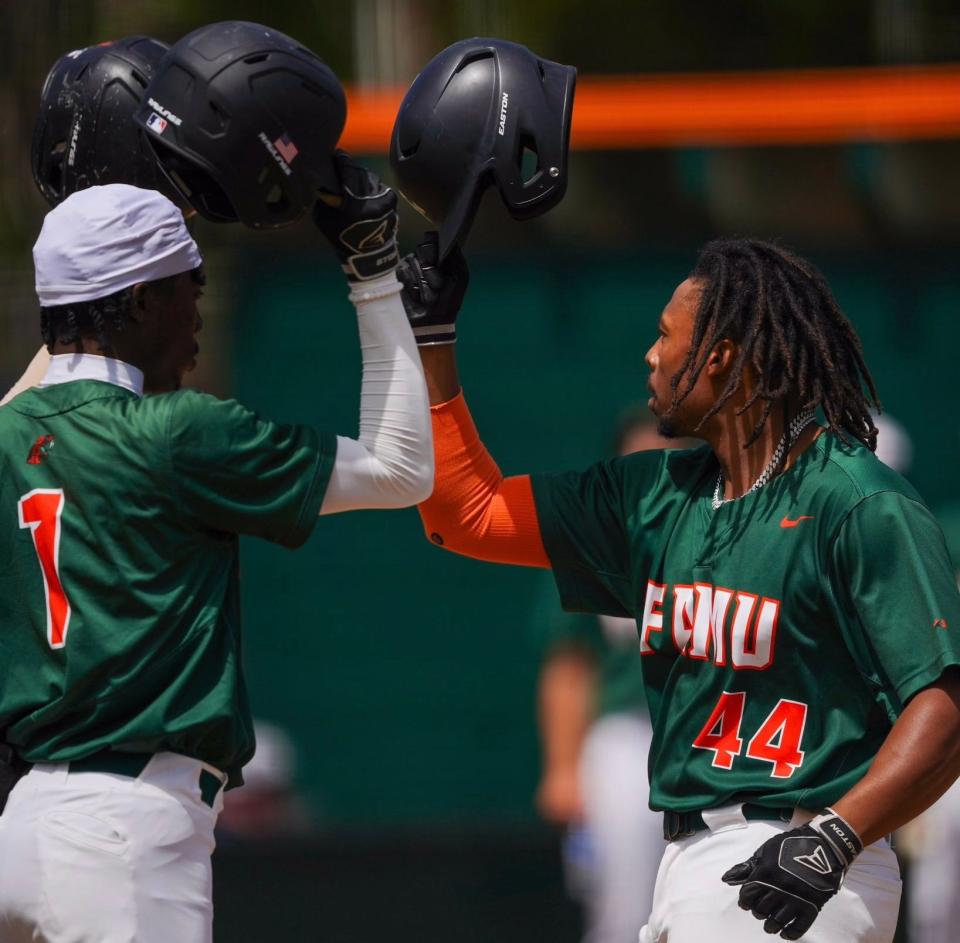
point(87, 101)
point(123, 709)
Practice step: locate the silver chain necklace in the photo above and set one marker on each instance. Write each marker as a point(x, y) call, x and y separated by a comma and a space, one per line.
point(797, 425)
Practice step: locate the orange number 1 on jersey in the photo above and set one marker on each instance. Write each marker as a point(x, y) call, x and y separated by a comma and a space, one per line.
point(40, 510)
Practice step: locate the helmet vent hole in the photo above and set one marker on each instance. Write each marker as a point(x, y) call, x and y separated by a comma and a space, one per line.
point(180, 183)
point(529, 160)
point(406, 152)
point(470, 59)
point(55, 172)
point(139, 77)
point(262, 176)
point(275, 198)
point(257, 57)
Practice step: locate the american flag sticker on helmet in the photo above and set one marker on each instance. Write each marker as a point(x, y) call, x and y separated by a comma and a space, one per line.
point(287, 149)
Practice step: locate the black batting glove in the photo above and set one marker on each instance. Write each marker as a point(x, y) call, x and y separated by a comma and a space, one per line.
point(792, 875)
point(433, 291)
point(363, 228)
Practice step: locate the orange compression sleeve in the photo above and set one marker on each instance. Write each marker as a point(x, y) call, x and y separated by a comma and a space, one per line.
point(474, 510)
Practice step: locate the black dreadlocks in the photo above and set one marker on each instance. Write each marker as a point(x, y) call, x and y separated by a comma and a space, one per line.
point(71, 322)
point(778, 309)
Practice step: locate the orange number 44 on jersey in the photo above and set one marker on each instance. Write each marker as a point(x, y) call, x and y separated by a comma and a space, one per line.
point(777, 740)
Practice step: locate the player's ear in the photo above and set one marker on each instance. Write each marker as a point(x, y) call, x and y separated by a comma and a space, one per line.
point(139, 306)
point(721, 358)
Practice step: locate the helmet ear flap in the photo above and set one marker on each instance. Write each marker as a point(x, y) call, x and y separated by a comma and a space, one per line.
point(197, 184)
point(534, 174)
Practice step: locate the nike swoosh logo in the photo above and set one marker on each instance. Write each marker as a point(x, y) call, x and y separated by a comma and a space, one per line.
point(786, 522)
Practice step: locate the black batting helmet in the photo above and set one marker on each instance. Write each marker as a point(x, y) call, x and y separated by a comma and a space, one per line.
point(483, 111)
point(84, 134)
point(244, 121)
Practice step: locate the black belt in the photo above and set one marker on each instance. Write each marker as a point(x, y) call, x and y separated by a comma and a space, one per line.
point(133, 764)
point(682, 824)
point(12, 769)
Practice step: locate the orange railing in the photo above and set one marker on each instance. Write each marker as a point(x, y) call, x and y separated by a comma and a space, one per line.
point(809, 107)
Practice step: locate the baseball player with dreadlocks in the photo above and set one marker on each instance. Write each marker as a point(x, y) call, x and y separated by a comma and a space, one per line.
point(796, 607)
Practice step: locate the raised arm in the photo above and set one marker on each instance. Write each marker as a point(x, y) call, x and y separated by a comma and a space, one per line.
point(473, 510)
point(390, 463)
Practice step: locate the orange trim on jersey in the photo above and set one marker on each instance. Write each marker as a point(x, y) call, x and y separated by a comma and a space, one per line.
point(474, 510)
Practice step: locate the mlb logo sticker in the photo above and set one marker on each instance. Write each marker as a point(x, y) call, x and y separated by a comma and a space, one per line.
point(286, 148)
point(156, 123)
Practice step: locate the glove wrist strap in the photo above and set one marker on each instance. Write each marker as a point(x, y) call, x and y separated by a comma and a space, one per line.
point(839, 834)
point(429, 335)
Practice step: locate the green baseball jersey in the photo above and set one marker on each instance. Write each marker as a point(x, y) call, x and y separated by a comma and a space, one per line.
point(119, 602)
point(612, 643)
point(782, 634)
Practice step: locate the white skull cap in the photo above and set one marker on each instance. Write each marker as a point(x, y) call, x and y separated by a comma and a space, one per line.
point(103, 239)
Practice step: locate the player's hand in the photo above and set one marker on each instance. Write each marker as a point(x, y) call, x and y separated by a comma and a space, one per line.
point(792, 875)
point(559, 799)
point(362, 223)
point(433, 292)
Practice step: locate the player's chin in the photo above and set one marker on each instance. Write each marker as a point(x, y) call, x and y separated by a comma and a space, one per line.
point(653, 404)
point(668, 428)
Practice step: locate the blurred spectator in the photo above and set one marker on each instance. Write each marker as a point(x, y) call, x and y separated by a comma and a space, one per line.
point(596, 735)
point(894, 445)
point(267, 804)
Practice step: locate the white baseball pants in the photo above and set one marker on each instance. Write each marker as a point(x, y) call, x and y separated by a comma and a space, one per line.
point(692, 905)
point(101, 858)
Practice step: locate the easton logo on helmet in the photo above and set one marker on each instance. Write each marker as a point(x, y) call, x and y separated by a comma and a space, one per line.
point(503, 114)
point(169, 115)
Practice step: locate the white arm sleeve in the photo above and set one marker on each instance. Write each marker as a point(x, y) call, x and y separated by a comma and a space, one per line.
point(31, 376)
point(390, 465)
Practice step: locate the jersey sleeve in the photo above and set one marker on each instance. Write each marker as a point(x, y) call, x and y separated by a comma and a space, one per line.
point(236, 472)
point(585, 535)
point(891, 569)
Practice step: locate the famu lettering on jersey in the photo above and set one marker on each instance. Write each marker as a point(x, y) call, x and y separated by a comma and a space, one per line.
point(700, 625)
point(832, 578)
